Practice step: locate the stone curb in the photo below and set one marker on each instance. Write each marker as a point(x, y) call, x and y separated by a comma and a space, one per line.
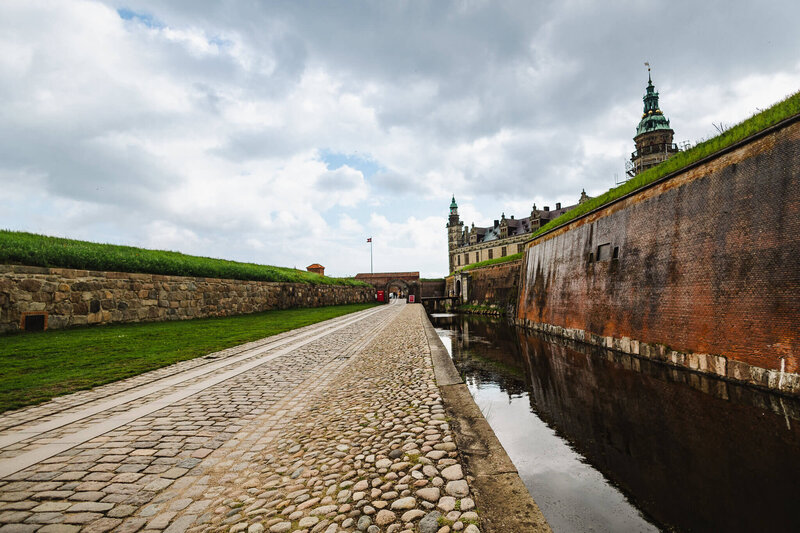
point(503, 500)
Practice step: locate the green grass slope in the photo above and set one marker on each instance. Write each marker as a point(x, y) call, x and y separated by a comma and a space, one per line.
point(39, 250)
point(495, 261)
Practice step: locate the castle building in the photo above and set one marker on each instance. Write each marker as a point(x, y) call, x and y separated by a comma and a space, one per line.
point(468, 245)
point(653, 135)
point(507, 236)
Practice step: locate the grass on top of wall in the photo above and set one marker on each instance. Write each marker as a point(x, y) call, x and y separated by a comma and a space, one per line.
point(758, 122)
point(30, 249)
point(488, 262)
point(35, 367)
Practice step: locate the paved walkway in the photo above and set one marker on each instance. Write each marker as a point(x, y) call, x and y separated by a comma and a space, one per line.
point(333, 427)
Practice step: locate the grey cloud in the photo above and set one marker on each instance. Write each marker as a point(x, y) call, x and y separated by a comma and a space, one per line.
point(79, 170)
point(395, 183)
point(264, 143)
point(339, 180)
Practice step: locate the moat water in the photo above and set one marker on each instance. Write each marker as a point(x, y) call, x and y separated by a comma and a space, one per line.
point(607, 442)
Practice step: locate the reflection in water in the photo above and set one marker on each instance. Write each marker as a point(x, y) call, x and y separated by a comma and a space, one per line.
point(692, 453)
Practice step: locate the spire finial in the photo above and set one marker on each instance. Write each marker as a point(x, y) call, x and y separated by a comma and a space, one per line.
point(647, 64)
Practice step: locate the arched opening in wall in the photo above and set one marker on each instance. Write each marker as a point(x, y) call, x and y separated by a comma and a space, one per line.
point(458, 287)
point(397, 289)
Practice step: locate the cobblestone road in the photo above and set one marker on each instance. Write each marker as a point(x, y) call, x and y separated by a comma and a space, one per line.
point(333, 427)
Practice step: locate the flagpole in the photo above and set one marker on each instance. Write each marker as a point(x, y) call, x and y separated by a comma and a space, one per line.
point(370, 255)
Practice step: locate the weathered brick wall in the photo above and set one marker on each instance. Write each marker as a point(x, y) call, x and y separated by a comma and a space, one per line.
point(78, 297)
point(707, 274)
point(494, 285)
point(432, 289)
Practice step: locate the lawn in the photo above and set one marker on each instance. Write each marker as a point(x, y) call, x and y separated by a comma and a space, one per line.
point(21, 248)
point(35, 367)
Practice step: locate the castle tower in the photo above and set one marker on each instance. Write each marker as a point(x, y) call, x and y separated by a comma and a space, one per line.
point(653, 135)
point(455, 229)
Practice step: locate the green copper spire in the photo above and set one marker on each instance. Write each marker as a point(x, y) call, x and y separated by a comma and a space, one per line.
point(453, 203)
point(653, 118)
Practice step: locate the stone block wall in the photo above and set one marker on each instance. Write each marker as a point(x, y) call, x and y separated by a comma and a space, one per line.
point(493, 286)
point(701, 270)
point(79, 297)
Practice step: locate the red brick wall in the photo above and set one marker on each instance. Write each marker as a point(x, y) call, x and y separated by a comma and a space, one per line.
point(709, 261)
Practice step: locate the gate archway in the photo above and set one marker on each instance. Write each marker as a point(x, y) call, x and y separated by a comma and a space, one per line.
point(404, 289)
point(397, 288)
point(406, 283)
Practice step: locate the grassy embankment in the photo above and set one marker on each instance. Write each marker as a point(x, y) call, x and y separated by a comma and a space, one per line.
point(38, 250)
point(758, 122)
point(495, 261)
point(35, 367)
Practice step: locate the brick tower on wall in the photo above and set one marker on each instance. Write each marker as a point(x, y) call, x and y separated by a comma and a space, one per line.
point(455, 229)
point(653, 135)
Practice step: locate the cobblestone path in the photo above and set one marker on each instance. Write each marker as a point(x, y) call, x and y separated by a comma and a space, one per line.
point(333, 427)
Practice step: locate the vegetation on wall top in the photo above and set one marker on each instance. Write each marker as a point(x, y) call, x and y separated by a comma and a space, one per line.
point(496, 260)
point(39, 250)
point(755, 124)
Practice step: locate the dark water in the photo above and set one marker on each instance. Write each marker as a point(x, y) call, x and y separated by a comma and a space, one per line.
point(607, 442)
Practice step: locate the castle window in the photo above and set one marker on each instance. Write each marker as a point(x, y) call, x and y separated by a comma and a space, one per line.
point(590, 258)
point(477, 256)
point(615, 255)
point(520, 248)
point(491, 253)
point(459, 260)
point(604, 252)
point(503, 251)
point(466, 259)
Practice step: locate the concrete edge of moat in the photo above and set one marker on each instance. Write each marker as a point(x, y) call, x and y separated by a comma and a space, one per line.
point(502, 498)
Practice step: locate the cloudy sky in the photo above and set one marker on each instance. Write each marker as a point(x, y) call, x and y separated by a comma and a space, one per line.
point(287, 133)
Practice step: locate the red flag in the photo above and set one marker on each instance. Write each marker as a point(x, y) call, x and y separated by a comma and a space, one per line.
point(369, 240)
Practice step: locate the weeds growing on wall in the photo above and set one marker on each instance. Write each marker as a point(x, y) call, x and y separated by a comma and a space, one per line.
point(39, 250)
point(759, 122)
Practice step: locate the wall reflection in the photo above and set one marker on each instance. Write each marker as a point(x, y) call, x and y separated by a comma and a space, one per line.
point(692, 453)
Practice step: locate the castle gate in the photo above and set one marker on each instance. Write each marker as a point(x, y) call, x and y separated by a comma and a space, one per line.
point(407, 282)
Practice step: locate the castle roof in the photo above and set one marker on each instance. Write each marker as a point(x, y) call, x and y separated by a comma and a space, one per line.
point(653, 118)
point(518, 226)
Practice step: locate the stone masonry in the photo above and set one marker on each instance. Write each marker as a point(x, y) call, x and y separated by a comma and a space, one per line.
point(80, 297)
point(334, 427)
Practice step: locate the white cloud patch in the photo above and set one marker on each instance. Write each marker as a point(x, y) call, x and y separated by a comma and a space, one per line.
point(198, 127)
